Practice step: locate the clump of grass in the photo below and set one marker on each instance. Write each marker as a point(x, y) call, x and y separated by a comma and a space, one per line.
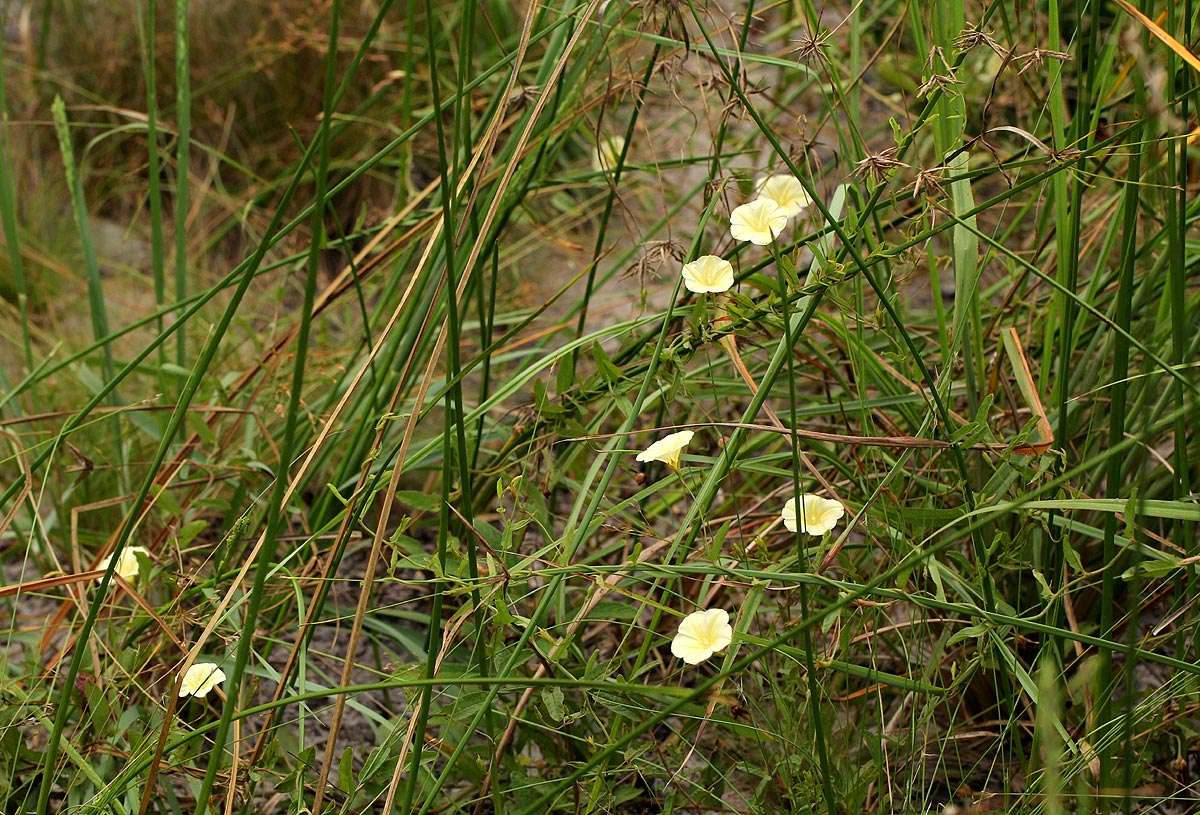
point(597, 407)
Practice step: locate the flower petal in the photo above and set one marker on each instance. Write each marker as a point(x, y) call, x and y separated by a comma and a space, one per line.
point(759, 222)
point(817, 515)
point(200, 679)
point(708, 274)
point(701, 634)
point(667, 449)
point(786, 191)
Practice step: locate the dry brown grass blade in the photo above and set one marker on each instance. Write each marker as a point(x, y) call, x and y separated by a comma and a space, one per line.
point(30, 418)
point(510, 170)
point(1154, 28)
point(729, 343)
point(293, 484)
point(368, 579)
point(1028, 388)
point(16, 505)
point(479, 164)
point(397, 470)
point(1130, 61)
point(43, 583)
point(343, 283)
point(152, 614)
point(164, 483)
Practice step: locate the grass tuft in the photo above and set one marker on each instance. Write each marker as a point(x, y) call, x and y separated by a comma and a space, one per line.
point(346, 348)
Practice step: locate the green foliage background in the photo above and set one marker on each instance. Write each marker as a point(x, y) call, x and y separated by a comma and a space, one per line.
point(330, 308)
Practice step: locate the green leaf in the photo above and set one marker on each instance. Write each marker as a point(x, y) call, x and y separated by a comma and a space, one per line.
point(166, 501)
point(553, 700)
point(420, 501)
point(611, 373)
point(1071, 556)
point(346, 771)
point(1151, 568)
point(564, 378)
point(1047, 592)
point(970, 632)
point(935, 573)
point(189, 531)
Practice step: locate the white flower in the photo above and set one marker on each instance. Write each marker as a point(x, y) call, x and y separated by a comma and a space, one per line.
point(667, 449)
point(127, 564)
point(760, 221)
point(708, 274)
point(787, 193)
point(200, 679)
point(607, 153)
point(819, 514)
point(701, 634)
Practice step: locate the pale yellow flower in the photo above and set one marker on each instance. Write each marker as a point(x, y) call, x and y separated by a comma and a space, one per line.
point(701, 634)
point(760, 222)
point(200, 679)
point(667, 449)
point(819, 514)
point(127, 564)
point(708, 274)
point(607, 153)
point(787, 193)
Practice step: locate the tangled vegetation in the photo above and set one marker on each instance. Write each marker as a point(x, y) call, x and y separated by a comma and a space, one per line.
point(598, 407)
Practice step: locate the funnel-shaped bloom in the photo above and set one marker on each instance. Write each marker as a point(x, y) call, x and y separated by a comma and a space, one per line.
point(708, 274)
point(760, 222)
point(667, 449)
point(817, 516)
point(127, 564)
point(200, 679)
point(702, 634)
point(787, 193)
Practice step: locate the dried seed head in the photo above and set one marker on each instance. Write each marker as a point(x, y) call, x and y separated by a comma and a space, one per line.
point(937, 82)
point(929, 183)
point(1037, 58)
point(972, 36)
point(878, 165)
point(810, 47)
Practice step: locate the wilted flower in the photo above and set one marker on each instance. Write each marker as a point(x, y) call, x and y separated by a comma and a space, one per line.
point(708, 274)
point(200, 679)
point(760, 221)
point(819, 514)
point(786, 191)
point(127, 564)
point(701, 634)
point(667, 449)
point(607, 153)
